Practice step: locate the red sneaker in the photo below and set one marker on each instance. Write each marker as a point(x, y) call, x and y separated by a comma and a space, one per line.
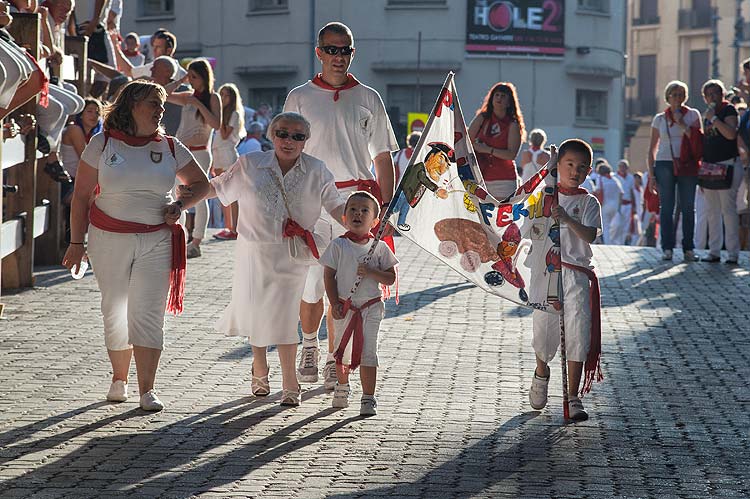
point(226, 235)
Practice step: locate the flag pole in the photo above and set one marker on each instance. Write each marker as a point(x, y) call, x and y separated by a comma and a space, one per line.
point(399, 189)
point(560, 290)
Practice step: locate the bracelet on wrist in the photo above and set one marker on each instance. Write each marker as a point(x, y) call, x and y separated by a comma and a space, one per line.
point(77, 244)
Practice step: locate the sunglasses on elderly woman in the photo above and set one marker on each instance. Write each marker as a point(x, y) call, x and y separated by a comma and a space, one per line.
point(297, 137)
point(333, 50)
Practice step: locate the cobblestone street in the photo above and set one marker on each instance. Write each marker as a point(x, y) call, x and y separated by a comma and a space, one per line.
point(671, 420)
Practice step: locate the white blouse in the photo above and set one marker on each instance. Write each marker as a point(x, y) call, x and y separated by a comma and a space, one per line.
point(254, 181)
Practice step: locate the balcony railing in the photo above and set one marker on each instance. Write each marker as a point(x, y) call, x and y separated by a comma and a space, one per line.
point(695, 19)
point(641, 106)
point(646, 21)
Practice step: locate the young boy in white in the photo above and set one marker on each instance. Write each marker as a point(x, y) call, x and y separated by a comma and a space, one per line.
point(579, 215)
point(357, 317)
point(610, 193)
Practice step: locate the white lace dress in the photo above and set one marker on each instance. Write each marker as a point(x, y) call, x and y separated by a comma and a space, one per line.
point(267, 284)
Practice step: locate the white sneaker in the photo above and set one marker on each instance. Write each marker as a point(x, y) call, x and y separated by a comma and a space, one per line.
point(576, 412)
point(368, 405)
point(329, 375)
point(340, 396)
point(118, 391)
point(538, 391)
point(307, 370)
point(150, 402)
point(667, 255)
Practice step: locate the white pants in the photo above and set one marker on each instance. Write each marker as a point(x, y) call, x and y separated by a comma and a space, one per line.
point(577, 306)
point(52, 119)
point(701, 221)
point(326, 228)
point(620, 224)
point(15, 69)
point(371, 318)
point(609, 213)
point(721, 205)
point(501, 189)
point(132, 271)
point(203, 158)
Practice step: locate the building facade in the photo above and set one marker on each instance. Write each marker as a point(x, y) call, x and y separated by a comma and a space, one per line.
point(405, 49)
point(688, 40)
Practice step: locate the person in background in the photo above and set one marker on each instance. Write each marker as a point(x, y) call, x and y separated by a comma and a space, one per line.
point(535, 157)
point(496, 133)
point(76, 136)
point(401, 159)
point(623, 221)
point(677, 123)
point(201, 115)
point(132, 50)
point(252, 142)
point(720, 147)
point(224, 149)
point(610, 195)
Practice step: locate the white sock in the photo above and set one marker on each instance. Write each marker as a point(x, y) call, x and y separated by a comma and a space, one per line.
point(330, 358)
point(310, 339)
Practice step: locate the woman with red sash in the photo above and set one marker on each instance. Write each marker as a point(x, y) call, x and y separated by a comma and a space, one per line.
point(135, 247)
point(201, 115)
point(496, 133)
point(280, 195)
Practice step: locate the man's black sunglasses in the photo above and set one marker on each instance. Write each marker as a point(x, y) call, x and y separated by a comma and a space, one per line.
point(333, 50)
point(297, 137)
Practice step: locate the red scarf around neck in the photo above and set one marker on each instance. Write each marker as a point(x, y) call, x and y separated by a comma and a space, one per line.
point(670, 116)
point(351, 81)
point(571, 192)
point(132, 140)
point(357, 239)
point(131, 53)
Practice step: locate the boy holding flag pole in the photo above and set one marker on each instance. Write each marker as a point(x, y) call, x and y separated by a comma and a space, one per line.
point(579, 216)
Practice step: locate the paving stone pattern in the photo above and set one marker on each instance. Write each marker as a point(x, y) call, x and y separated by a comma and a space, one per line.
point(671, 419)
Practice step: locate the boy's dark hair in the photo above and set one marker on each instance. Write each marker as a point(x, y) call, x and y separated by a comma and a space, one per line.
point(337, 29)
point(576, 145)
point(364, 195)
point(746, 64)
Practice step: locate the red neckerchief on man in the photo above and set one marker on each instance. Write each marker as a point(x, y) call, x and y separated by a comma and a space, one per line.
point(351, 82)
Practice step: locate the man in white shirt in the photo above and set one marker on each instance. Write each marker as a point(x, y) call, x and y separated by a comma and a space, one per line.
point(252, 141)
point(621, 223)
point(350, 131)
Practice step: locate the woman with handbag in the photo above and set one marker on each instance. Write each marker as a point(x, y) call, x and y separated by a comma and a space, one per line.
point(720, 173)
point(673, 166)
point(280, 193)
point(496, 133)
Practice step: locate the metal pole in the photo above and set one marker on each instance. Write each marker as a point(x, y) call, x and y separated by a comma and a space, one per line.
point(418, 96)
point(563, 351)
point(313, 39)
point(715, 43)
point(739, 24)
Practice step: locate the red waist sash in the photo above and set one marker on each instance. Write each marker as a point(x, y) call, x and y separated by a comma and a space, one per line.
point(592, 368)
point(198, 148)
point(354, 331)
point(176, 296)
point(292, 229)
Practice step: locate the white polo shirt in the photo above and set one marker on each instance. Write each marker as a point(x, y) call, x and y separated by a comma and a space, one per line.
point(346, 134)
point(135, 182)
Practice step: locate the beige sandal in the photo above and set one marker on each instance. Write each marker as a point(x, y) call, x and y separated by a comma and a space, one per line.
point(259, 384)
point(290, 397)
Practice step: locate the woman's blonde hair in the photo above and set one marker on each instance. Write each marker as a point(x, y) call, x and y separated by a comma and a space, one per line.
point(673, 85)
point(235, 104)
point(119, 115)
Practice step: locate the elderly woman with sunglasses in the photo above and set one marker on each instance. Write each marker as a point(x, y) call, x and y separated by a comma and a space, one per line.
point(280, 193)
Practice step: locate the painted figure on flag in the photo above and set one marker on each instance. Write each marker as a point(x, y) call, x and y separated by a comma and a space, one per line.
point(485, 240)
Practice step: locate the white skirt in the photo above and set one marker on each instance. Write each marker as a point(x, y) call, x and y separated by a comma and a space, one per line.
point(266, 290)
